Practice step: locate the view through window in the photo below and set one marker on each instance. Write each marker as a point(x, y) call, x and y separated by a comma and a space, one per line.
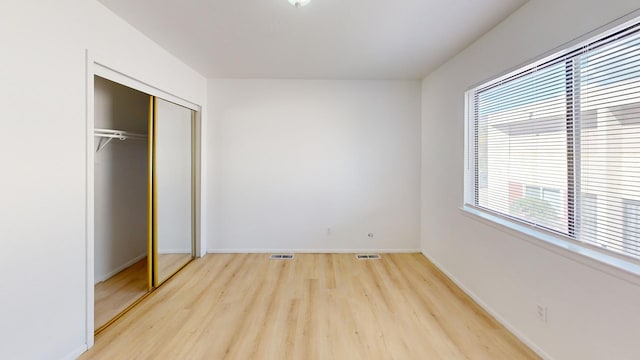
point(557, 145)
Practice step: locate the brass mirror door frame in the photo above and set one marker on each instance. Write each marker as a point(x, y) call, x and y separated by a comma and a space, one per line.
point(151, 221)
point(156, 277)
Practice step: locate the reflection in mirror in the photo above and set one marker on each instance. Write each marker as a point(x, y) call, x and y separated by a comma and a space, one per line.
point(174, 186)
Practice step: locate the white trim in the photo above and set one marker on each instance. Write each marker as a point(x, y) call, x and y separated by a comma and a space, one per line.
point(120, 268)
point(201, 193)
point(123, 79)
point(312, 251)
point(532, 345)
point(469, 150)
point(579, 252)
point(89, 198)
point(76, 353)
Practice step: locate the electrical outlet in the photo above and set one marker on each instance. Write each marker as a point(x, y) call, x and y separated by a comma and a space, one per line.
point(370, 235)
point(541, 312)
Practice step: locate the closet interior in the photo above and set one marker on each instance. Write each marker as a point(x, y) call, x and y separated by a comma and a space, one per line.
point(144, 195)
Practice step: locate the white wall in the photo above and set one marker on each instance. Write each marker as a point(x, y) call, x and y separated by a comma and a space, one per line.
point(43, 212)
point(292, 158)
point(592, 314)
point(120, 180)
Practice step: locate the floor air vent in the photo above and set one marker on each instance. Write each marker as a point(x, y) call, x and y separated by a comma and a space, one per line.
point(368, 256)
point(281, 257)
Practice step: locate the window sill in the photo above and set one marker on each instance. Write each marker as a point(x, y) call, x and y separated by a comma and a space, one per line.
point(587, 255)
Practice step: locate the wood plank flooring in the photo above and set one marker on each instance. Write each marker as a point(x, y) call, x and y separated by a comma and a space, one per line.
point(317, 306)
point(115, 294)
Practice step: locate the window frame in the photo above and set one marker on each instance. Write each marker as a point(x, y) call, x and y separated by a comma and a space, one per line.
point(566, 245)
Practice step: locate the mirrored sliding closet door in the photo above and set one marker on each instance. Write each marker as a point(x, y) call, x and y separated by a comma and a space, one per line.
point(144, 197)
point(174, 132)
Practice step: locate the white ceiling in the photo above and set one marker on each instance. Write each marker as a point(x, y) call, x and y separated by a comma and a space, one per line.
point(327, 39)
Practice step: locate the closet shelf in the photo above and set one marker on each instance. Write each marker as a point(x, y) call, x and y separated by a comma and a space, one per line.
point(107, 135)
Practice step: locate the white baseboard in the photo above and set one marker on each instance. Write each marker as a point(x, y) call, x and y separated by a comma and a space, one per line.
point(310, 251)
point(533, 346)
point(120, 268)
point(76, 353)
point(174, 251)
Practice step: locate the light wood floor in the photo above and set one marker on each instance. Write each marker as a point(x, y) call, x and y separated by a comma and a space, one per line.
point(115, 294)
point(313, 307)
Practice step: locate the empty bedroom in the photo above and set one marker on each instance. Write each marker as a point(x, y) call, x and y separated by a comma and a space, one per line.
point(320, 179)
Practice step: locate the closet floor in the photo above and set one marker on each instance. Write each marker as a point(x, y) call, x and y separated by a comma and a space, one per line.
point(115, 294)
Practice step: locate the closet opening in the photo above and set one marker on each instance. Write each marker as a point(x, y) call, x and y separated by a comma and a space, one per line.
point(121, 117)
point(144, 195)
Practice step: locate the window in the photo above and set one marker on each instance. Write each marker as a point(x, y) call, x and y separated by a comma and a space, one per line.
point(556, 144)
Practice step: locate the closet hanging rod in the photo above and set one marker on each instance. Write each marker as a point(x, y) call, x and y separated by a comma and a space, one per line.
point(109, 135)
point(118, 134)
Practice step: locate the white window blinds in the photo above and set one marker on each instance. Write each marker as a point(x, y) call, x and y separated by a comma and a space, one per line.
point(557, 145)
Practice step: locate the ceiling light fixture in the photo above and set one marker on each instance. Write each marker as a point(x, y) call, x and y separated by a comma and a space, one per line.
point(299, 3)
